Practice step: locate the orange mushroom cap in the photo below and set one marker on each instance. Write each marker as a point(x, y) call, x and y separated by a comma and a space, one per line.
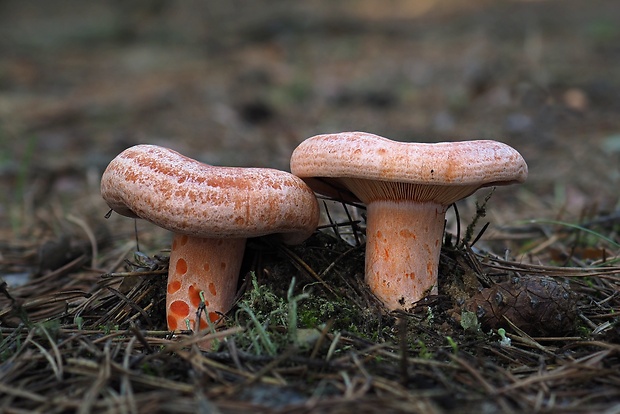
point(186, 196)
point(442, 172)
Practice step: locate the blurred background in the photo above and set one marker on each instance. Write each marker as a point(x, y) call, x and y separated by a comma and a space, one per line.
point(242, 82)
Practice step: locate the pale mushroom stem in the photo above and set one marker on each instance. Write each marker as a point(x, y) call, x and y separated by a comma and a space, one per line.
point(201, 269)
point(402, 254)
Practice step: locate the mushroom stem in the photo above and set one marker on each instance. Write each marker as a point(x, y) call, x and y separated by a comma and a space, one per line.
point(206, 267)
point(402, 253)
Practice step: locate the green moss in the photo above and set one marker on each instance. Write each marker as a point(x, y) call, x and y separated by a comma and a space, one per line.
point(469, 321)
point(273, 322)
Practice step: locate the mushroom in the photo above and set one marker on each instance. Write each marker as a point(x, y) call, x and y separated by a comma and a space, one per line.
point(407, 188)
point(211, 211)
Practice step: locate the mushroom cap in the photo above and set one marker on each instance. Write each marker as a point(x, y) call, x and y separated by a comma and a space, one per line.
point(186, 196)
point(356, 166)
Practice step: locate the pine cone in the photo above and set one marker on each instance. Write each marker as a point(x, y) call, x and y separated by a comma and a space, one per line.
point(538, 305)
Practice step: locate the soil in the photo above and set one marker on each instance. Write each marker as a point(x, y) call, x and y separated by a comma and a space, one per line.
point(242, 83)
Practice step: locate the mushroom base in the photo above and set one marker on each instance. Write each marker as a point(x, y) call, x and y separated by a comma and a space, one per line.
point(201, 270)
point(403, 242)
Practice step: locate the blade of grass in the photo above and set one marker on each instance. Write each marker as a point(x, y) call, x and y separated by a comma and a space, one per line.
point(572, 226)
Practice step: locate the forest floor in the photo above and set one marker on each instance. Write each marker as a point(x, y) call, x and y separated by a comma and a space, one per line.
point(241, 83)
